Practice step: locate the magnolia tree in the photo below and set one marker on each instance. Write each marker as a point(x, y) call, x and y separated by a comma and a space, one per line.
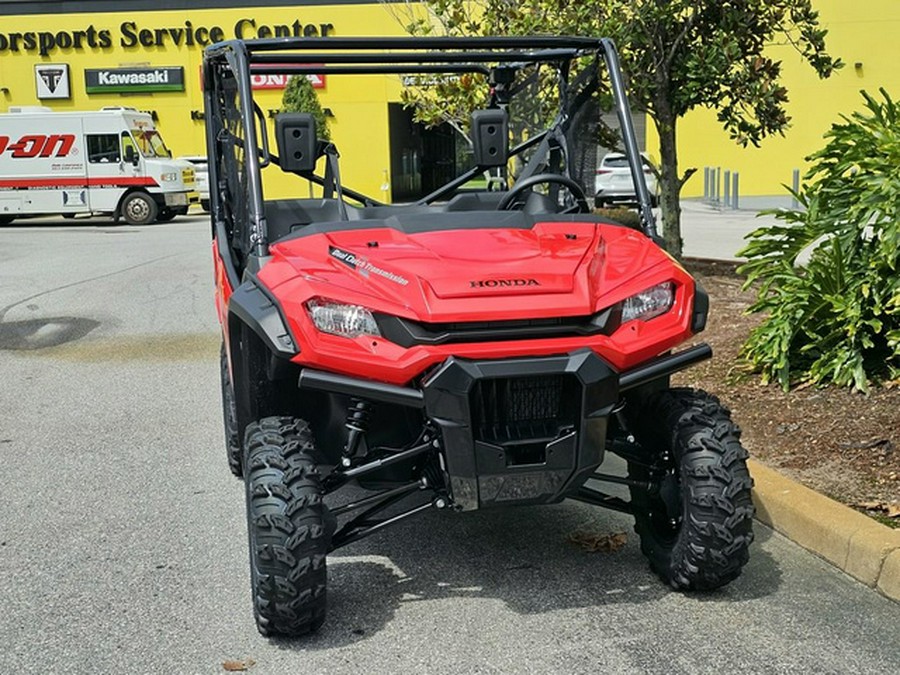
point(678, 55)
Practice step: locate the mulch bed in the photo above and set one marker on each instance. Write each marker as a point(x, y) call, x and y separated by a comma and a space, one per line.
point(840, 443)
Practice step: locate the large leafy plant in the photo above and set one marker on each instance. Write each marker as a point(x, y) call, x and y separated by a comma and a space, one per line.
point(836, 318)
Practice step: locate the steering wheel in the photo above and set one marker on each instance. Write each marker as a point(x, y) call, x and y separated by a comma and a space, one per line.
point(574, 188)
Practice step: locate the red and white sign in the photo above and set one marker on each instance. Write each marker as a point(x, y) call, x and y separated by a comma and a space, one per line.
point(280, 81)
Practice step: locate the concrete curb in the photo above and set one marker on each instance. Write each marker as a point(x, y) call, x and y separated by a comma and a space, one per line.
point(860, 546)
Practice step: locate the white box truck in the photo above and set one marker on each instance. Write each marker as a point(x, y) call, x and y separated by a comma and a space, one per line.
point(110, 161)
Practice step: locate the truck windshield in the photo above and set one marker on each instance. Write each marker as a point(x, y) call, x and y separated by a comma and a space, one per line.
point(150, 143)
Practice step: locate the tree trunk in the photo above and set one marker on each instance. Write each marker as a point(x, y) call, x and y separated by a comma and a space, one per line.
point(669, 180)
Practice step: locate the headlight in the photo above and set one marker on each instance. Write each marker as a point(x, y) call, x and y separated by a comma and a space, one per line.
point(349, 321)
point(650, 303)
point(169, 177)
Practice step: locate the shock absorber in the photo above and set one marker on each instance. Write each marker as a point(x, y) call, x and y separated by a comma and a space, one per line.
point(357, 424)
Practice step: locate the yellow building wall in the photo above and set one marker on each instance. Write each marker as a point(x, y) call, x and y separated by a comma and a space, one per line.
point(359, 103)
point(859, 33)
point(863, 33)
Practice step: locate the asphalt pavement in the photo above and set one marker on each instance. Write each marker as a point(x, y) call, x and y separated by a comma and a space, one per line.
point(123, 539)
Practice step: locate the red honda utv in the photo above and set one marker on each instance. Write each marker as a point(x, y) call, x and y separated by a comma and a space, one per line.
point(479, 345)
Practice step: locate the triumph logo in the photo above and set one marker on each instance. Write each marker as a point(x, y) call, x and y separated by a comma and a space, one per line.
point(52, 80)
point(501, 283)
point(51, 77)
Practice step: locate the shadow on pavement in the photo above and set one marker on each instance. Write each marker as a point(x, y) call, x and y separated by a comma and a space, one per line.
point(520, 556)
point(43, 333)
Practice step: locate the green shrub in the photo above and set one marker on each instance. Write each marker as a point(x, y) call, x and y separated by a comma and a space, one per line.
point(623, 216)
point(837, 318)
point(299, 96)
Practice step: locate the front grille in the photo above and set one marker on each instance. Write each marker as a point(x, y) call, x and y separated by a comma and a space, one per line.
point(407, 333)
point(520, 409)
point(468, 326)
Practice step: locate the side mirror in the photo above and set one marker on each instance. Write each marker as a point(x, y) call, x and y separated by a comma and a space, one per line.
point(298, 147)
point(490, 137)
point(131, 156)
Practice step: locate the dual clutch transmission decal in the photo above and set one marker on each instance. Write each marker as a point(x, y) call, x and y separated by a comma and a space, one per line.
point(364, 266)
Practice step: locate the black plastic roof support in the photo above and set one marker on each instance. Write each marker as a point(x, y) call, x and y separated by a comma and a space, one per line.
point(236, 55)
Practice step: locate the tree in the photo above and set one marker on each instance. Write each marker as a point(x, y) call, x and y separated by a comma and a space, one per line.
point(299, 96)
point(835, 319)
point(678, 55)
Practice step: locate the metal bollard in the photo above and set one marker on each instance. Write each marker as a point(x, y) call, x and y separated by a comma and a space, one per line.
point(734, 190)
point(795, 186)
point(718, 185)
point(727, 195)
point(706, 183)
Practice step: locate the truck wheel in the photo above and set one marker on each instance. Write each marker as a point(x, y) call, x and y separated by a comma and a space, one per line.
point(695, 523)
point(229, 416)
point(138, 208)
point(165, 215)
point(286, 521)
point(204, 204)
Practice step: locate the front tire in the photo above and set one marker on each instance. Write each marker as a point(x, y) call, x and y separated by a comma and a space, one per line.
point(286, 522)
point(165, 215)
point(695, 526)
point(138, 208)
point(229, 417)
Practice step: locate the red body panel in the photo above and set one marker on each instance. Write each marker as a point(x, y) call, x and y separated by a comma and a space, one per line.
point(223, 294)
point(551, 270)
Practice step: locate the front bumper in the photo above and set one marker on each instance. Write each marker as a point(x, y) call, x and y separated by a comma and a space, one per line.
point(181, 198)
point(520, 430)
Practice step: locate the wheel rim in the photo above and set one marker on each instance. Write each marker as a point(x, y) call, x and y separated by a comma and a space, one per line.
point(665, 501)
point(138, 209)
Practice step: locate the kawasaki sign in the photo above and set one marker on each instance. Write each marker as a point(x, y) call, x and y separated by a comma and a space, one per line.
point(117, 80)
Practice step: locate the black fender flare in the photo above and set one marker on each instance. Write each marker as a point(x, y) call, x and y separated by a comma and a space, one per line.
point(260, 346)
point(252, 304)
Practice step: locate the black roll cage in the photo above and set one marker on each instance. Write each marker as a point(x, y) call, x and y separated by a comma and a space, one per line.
point(393, 55)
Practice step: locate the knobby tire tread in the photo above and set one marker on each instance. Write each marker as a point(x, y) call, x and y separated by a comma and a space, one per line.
point(286, 519)
point(711, 546)
point(229, 416)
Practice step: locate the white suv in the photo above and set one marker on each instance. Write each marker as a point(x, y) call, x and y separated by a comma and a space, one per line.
point(613, 182)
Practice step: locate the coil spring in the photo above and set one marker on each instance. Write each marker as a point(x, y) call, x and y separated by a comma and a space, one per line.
point(357, 423)
point(358, 415)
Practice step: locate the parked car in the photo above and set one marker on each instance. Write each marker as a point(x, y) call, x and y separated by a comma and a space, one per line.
point(201, 177)
point(613, 183)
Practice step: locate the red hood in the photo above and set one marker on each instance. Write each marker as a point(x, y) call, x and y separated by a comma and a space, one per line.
point(550, 269)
